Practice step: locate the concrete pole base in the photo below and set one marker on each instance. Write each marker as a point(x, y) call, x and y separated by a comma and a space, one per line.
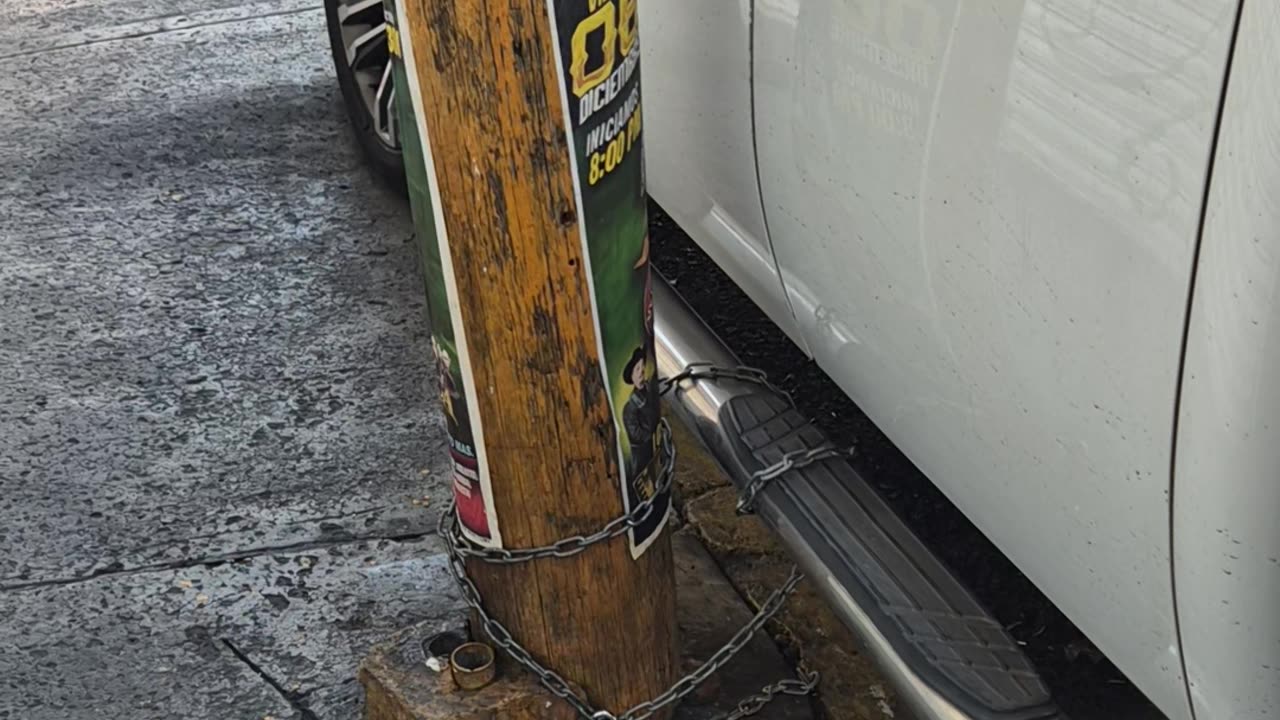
point(398, 685)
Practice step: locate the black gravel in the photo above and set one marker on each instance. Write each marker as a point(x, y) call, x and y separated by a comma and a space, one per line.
point(1084, 682)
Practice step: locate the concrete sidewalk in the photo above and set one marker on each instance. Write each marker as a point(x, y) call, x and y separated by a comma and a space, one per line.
point(216, 427)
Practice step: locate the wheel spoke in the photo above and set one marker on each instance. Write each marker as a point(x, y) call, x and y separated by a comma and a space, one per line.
point(359, 48)
point(382, 121)
point(346, 10)
point(393, 129)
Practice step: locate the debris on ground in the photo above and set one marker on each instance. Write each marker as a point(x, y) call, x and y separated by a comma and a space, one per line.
point(748, 553)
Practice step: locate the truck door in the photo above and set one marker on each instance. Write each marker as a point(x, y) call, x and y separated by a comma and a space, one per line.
point(985, 216)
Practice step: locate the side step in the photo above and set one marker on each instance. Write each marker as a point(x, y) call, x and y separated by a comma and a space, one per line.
point(946, 657)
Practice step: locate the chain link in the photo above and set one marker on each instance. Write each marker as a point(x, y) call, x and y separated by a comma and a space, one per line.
point(459, 549)
point(752, 704)
point(710, 371)
point(793, 460)
point(570, 546)
point(690, 682)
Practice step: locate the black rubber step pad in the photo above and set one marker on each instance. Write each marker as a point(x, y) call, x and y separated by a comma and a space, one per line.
point(932, 621)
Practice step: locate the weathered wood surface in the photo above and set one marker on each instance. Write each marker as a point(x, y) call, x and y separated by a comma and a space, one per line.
point(493, 112)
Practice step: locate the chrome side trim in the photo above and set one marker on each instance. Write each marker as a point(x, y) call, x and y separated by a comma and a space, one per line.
point(681, 339)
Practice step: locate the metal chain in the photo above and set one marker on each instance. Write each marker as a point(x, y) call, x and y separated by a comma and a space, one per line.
point(690, 682)
point(793, 460)
point(570, 546)
point(497, 632)
point(752, 704)
point(553, 681)
point(710, 371)
point(459, 549)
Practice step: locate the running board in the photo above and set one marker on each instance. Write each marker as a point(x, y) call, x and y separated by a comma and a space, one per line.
point(946, 657)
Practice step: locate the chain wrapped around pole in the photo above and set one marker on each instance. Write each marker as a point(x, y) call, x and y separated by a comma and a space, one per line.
point(459, 549)
point(793, 460)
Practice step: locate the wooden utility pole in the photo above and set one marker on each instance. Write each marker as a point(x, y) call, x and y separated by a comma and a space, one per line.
point(529, 201)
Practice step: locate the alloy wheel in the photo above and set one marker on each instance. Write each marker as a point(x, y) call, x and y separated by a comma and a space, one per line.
point(364, 40)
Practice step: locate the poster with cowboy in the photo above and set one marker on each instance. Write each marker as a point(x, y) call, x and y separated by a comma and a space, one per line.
point(599, 53)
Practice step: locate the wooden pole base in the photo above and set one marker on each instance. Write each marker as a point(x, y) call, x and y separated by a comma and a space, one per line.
point(399, 686)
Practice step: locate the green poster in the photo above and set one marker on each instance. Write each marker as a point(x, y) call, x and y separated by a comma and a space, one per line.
point(599, 55)
point(471, 487)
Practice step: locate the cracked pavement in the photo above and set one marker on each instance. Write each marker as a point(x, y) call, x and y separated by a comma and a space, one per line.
point(216, 426)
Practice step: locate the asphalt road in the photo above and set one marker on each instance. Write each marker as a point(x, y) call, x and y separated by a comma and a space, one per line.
point(216, 419)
